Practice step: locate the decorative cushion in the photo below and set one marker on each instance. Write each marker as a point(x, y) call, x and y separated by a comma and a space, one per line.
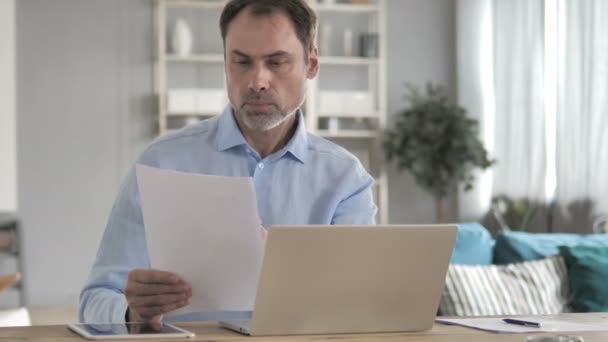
point(474, 245)
point(521, 246)
point(588, 274)
point(527, 288)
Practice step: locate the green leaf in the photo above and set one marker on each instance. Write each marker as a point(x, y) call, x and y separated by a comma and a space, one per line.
point(435, 141)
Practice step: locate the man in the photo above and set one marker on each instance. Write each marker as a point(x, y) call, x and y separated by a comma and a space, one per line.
point(299, 178)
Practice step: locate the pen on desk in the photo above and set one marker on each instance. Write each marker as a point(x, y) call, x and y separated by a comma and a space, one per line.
point(522, 322)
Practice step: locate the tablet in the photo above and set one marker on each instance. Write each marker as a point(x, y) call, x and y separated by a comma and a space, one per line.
point(128, 330)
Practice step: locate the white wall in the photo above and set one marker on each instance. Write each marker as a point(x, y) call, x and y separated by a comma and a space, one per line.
point(8, 173)
point(85, 111)
point(84, 83)
point(421, 48)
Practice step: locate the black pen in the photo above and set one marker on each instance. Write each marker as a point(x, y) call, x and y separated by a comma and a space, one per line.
point(522, 322)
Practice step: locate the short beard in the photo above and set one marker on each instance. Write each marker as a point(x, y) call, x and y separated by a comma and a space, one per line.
point(262, 121)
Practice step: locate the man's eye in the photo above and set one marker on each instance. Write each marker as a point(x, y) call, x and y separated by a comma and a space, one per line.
point(243, 62)
point(277, 62)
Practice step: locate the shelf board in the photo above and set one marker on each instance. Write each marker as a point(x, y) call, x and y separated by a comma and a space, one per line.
point(341, 60)
point(197, 58)
point(216, 4)
point(346, 8)
point(348, 133)
point(350, 116)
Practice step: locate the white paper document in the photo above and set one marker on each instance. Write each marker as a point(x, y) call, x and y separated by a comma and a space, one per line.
point(207, 230)
point(497, 325)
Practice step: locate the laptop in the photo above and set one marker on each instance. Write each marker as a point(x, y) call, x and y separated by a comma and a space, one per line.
point(349, 279)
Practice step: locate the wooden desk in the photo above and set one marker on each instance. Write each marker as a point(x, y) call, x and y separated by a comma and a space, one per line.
point(206, 331)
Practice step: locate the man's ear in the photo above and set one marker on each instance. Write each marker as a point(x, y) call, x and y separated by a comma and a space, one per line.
point(313, 63)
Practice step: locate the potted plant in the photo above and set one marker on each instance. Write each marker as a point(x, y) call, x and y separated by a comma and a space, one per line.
point(436, 142)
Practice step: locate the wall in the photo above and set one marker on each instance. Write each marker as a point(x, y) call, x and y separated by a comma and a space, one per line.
point(8, 159)
point(421, 48)
point(84, 82)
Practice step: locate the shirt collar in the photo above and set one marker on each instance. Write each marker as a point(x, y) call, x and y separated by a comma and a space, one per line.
point(229, 135)
point(298, 145)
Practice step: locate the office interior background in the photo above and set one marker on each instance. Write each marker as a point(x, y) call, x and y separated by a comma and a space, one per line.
point(77, 107)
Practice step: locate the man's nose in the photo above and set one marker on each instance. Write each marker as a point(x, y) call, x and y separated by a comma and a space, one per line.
point(260, 79)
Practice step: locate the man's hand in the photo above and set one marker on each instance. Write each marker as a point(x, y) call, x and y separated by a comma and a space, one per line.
point(152, 293)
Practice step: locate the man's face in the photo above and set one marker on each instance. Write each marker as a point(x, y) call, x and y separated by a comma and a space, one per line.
point(266, 69)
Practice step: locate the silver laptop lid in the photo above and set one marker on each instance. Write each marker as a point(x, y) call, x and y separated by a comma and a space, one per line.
point(351, 279)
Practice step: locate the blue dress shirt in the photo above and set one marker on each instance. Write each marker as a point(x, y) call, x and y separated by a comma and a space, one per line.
point(309, 181)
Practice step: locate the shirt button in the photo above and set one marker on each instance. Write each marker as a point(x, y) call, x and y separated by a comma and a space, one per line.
point(261, 166)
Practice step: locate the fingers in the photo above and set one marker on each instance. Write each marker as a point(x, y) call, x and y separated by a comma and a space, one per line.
point(157, 300)
point(154, 313)
point(153, 277)
point(156, 326)
point(152, 293)
point(142, 289)
point(154, 282)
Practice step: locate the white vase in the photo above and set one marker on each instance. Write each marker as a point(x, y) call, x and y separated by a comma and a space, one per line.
point(181, 38)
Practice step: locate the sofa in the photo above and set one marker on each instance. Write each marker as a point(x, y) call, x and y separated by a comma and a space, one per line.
point(525, 273)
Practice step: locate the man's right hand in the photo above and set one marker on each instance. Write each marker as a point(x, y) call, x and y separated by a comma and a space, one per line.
point(152, 293)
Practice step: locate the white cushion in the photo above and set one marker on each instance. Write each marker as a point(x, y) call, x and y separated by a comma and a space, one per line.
point(526, 288)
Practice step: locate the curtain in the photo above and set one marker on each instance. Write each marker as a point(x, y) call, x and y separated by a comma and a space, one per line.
point(541, 95)
point(582, 109)
point(475, 79)
point(520, 118)
point(500, 82)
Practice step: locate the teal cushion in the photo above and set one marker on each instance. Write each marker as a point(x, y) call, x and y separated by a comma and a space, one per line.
point(474, 245)
point(521, 246)
point(588, 274)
